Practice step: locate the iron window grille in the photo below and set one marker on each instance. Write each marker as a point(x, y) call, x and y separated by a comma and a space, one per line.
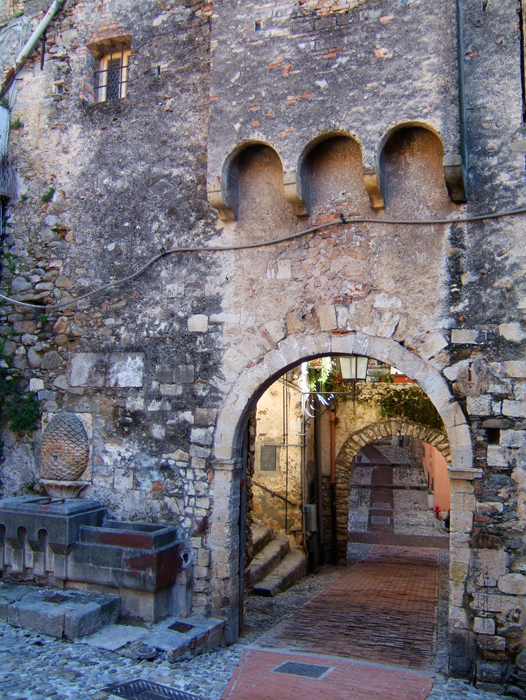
point(111, 80)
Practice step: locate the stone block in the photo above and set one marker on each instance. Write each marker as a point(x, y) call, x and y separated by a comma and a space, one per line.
point(125, 369)
point(82, 620)
point(515, 369)
point(514, 584)
point(44, 618)
point(327, 317)
point(497, 456)
point(184, 374)
point(479, 405)
point(512, 332)
point(484, 625)
point(36, 384)
point(513, 438)
point(492, 643)
point(87, 369)
point(514, 409)
point(205, 416)
point(114, 637)
point(198, 323)
point(494, 603)
point(492, 566)
point(461, 336)
point(490, 671)
point(489, 508)
point(202, 436)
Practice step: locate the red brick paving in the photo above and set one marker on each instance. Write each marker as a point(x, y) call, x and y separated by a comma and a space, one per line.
point(348, 680)
point(381, 610)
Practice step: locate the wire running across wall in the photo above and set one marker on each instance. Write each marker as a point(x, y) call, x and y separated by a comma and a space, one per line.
point(342, 221)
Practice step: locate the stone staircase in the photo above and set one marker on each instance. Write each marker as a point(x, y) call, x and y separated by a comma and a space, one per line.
point(275, 567)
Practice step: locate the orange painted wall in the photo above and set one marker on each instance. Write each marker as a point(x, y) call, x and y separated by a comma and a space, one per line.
point(435, 466)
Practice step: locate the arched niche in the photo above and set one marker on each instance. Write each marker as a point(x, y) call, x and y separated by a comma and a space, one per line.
point(332, 175)
point(412, 171)
point(253, 186)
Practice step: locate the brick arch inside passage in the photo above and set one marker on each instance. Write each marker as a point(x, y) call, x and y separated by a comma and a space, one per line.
point(354, 444)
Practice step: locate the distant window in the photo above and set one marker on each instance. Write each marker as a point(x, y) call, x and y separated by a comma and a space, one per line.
point(268, 458)
point(111, 78)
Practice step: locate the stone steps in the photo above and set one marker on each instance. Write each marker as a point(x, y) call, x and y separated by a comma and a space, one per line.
point(268, 558)
point(289, 571)
point(261, 536)
point(274, 567)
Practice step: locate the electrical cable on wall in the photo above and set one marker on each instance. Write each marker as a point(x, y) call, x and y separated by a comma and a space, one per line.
point(261, 244)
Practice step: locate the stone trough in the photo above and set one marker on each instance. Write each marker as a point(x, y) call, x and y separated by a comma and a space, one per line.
point(70, 543)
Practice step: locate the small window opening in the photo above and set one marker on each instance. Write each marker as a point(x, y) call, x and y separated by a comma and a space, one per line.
point(59, 87)
point(257, 26)
point(493, 436)
point(111, 79)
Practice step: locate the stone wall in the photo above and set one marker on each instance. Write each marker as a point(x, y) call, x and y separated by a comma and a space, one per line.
point(285, 116)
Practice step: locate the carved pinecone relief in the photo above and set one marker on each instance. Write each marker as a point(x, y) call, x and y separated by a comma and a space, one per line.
point(65, 448)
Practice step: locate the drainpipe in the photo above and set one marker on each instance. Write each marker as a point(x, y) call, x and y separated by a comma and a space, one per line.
point(319, 480)
point(334, 524)
point(30, 45)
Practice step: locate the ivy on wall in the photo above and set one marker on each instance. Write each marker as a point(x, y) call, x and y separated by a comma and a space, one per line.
point(412, 404)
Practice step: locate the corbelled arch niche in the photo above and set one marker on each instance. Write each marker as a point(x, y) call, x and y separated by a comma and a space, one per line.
point(354, 444)
point(226, 537)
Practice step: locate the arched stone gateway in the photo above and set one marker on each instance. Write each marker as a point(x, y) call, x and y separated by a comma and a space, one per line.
point(387, 428)
point(246, 386)
point(354, 444)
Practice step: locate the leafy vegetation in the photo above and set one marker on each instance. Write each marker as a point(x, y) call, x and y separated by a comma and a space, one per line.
point(48, 195)
point(19, 408)
point(412, 404)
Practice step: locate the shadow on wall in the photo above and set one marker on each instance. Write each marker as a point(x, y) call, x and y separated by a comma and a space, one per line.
point(412, 173)
point(332, 176)
point(255, 185)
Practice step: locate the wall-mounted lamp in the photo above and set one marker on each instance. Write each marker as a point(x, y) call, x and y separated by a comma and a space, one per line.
point(354, 367)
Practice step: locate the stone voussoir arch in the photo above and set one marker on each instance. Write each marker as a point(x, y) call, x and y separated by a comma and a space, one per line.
point(356, 442)
point(388, 428)
point(241, 391)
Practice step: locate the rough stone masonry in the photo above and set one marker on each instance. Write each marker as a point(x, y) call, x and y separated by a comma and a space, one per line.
point(247, 122)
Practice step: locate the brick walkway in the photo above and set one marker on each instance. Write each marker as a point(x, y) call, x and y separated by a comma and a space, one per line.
point(255, 679)
point(381, 610)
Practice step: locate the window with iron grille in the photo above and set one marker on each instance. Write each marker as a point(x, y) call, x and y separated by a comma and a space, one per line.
point(111, 77)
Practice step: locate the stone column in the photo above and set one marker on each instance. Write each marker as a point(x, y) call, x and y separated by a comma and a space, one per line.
point(462, 646)
point(224, 544)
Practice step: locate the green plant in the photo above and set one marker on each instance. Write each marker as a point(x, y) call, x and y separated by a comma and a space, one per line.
point(412, 404)
point(17, 123)
point(4, 102)
point(24, 197)
point(48, 195)
point(43, 318)
point(10, 262)
point(20, 409)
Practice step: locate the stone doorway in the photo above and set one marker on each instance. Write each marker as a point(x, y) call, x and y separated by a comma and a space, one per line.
point(230, 465)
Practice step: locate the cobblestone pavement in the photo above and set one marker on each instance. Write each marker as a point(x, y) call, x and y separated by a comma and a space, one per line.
point(37, 667)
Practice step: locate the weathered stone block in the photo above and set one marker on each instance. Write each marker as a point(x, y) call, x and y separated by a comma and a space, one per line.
point(497, 456)
point(125, 369)
point(484, 625)
point(461, 336)
point(515, 584)
point(515, 369)
point(492, 643)
point(44, 618)
point(198, 323)
point(513, 438)
point(492, 566)
point(479, 405)
point(515, 409)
